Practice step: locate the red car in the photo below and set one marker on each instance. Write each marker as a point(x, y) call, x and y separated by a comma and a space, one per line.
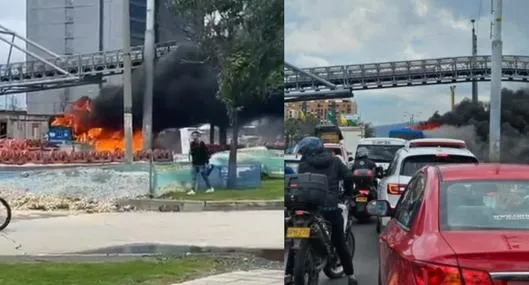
point(458, 225)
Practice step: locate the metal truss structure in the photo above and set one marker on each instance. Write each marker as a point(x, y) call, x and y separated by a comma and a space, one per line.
point(398, 74)
point(57, 71)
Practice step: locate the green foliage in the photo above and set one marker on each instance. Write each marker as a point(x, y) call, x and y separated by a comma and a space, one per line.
point(296, 129)
point(243, 39)
point(369, 131)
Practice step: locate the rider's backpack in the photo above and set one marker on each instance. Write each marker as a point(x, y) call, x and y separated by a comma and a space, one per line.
point(306, 191)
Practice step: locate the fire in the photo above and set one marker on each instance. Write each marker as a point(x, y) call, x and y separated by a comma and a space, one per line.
point(426, 126)
point(99, 138)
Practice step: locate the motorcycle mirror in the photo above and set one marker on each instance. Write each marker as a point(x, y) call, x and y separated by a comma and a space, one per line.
point(379, 208)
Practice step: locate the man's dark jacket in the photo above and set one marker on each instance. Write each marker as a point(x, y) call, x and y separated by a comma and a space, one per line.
point(199, 153)
point(334, 168)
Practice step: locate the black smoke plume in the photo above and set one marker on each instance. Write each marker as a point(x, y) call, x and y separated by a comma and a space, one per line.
point(184, 95)
point(470, 122)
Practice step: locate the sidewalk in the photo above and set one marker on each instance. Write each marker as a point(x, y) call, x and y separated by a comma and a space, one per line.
point(89, 232)
point(255, 277)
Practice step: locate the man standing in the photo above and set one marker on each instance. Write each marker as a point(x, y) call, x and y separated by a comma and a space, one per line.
point(199, 163)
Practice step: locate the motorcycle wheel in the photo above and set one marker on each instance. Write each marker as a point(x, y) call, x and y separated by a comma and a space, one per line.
point(304, 267)
point(7, 218)
point(335, 272)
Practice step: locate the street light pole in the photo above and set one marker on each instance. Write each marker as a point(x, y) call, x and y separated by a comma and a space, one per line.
point(495, 86)
point(127, 83)
point(474, 54)
point(148, 61)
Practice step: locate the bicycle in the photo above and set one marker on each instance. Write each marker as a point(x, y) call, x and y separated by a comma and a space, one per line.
point(5, 222)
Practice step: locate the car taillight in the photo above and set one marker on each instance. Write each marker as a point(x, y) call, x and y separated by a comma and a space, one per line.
point(436, 274)
point(299, 213)
point(396, 189)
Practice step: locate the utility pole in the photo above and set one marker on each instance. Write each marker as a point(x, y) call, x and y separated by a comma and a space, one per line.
point(101, 29)
point(453, 97)
point(148, 61)
point(495, 85)
point(474, 54)
point(127, 83)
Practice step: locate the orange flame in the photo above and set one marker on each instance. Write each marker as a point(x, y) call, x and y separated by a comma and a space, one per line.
point(425, 126)
point(100, 139)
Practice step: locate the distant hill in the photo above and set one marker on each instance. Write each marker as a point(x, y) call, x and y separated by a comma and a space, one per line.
point(383, 131)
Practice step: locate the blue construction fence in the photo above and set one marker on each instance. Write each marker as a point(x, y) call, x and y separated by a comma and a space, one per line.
point(177, 176)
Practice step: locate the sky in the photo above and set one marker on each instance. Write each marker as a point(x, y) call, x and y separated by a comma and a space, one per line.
point(342, 32)
point(13, 17)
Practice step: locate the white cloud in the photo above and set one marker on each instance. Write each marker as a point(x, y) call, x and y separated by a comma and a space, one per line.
point(345, 32)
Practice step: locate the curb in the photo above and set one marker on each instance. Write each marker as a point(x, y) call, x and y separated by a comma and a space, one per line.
point(163, 205)
point(113, 255)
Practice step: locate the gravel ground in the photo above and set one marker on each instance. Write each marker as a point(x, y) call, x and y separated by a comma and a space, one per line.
point(77, 189)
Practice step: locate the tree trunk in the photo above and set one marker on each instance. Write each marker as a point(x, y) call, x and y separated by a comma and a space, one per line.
point(223, 135)
point(232, 164)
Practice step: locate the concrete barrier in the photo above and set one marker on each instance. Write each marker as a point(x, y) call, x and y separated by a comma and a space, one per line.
point(196, 206)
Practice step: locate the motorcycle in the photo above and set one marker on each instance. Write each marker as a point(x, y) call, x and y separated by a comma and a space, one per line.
point(364, 183)
point(308, 243)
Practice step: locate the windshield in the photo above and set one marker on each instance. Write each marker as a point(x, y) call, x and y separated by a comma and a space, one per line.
point(491, 205)
point(334, 150)
point(380, 153)
point(411, 164)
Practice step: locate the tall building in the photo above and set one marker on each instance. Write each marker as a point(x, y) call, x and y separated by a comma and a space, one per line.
point(69, 27)
point(320, 108)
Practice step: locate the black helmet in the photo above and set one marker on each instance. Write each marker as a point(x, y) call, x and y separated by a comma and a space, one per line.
point(309, 146)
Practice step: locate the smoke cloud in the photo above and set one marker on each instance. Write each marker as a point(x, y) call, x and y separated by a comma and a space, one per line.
point(184, 95)
point(470, 122)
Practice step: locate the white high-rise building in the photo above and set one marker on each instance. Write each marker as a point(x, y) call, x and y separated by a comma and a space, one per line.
point(70, 27)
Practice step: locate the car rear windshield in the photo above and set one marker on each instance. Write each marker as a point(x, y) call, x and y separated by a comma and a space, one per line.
point(336, 151)
point(490, 205)
point(411, 164)
point(380, 153)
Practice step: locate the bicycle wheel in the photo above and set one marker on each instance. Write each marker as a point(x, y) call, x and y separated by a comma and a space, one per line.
point(5, 218)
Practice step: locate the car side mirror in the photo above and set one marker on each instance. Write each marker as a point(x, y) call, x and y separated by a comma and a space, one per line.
point(379, 208)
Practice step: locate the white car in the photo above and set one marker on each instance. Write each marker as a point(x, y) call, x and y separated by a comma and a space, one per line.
point(412, 157)
point(381, 150)
point(339, 150)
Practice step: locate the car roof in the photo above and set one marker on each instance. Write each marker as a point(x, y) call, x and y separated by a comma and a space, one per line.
point(336, 145)
point(483, 171)
point(387, 141)
point(434, 150)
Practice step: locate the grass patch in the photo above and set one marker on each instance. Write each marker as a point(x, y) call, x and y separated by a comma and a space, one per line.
point(271, 189)
point(120, 273)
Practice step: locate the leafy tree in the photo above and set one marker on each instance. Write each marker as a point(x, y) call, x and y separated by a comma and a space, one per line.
point(243, 39)
point(296, 129)
point(369, 131)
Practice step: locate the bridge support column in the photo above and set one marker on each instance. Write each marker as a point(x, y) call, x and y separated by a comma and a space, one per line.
point(148, 52)
point(127, 84)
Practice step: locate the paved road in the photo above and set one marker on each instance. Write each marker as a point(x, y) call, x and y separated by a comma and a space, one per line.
point(365, 260)
point(108, 232)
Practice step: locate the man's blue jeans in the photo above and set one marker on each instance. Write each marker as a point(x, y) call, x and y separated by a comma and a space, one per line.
point(203, 171)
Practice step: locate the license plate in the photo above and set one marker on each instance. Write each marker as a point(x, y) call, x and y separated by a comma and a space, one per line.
point(361, 199)
point(298, 233)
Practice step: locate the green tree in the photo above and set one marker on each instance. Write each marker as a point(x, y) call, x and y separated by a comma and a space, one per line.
point(296, 129)
point(243, 39)
point(369, 131)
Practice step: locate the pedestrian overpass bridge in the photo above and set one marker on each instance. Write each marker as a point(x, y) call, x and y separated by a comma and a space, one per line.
point(67, 71)
point(315, 82)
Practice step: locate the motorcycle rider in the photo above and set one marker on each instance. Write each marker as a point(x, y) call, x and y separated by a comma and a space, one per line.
point(314, 159)
point(362, 161)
